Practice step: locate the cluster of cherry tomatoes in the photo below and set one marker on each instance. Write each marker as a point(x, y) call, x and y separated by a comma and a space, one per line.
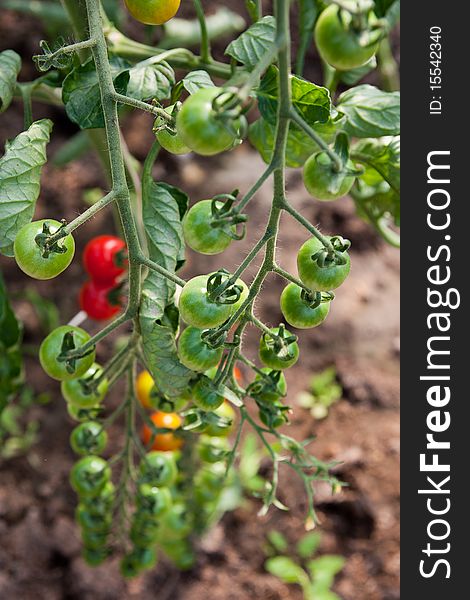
point(104, 259)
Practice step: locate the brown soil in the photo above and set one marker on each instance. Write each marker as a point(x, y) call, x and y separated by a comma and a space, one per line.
point(40, 549)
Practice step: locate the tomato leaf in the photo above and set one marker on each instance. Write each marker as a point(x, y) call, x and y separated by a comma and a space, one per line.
point(370, 112)
point(250, 46)
point(382, 156)
point(20, 173)
point(151, 79)
point(197, 80)
point(81, 92)
point(10, 65)
point(299, 145)
point(352, 76)
point(285, 569)
point(312, 101)
point(308, 14)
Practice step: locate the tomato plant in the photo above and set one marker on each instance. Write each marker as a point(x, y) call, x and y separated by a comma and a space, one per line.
point(181, 341)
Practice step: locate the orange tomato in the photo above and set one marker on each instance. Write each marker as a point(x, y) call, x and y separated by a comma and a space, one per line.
point(164, 442)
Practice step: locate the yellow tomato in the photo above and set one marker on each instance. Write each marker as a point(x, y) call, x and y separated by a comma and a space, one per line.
point(153, 12)
point(143, 386)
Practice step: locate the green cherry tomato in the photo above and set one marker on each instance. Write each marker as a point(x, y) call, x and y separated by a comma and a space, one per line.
point(320, 279)
point(201, 129)
point(243, 295)
point(94, 557)
point(103, 502)
point(225, 411)
point(169, 141)
point(145, 558)
point(322, 182)
point(197, 309)
point(93, 539)
point(89, 476)
point(297, 313)
point(213, 449)
point(128, 567)
point(81, 393)
point(205, 396)
point(176, 523)
point(199, 231)
point(285, 358)
point(273, 415)
point(338, 42)
point(83, 414)
point(270, 389)
point(158, 469)
point(88, 438)
point(51, 348)
point(153, 12)
point(194, 353)
point(35, 261)
point(152, 500)
point(92, 522)
point(144, 533)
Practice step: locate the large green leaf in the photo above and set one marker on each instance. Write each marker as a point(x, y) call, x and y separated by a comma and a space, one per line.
point(312, 101)
point(20, 174)
point(151, 78)
point(10, 65)
point(162, 207)
point(81, 92)
point(299, 145)
point(370, 112)
point(253, 43)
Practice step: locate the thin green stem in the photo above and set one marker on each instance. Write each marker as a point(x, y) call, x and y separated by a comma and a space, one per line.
point(286, 275)
point(264, 328)
point(155, 110)
point(308, 226)
point(205, 41)
point(153, 266)
point(26, 95)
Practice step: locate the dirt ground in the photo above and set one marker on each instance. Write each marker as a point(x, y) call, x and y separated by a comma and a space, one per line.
point(40, 548)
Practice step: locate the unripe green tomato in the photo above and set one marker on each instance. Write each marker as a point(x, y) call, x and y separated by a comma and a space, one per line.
point(88, 438)
point(89, 476)
point(102, 504)
point(171, 142)
point(224, 411)
point(321, 180)
point(201, 129)
point(199, 232)
point(320, 279)
point(197, 309)
point(154, 501)
point(194, 353)
point(76, 393)
point(145, 558)
point(338, 42)
point(89, 522)
point(272, 394)
point(95, 557)
point(158, 469)
point(272, 415)
point(29, 256)
point(153, 12)
point(204, 494)
point(205, 397)
point(176, 523)
point(185, 561)
point(83, 414)
point(51, 348)
point(243, 295)
point(94, 540)
point(213, 449)
point(144, 536)
point(297, 313)
point(277, 361)
point(128, 567)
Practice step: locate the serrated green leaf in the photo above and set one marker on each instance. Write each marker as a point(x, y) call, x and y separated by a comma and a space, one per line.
point(81, 93)
point(370, 112)
point(299, 145)
point(151, 78)
point(253, 43)
point(197, 80)
point(312, 101)
point(10, 65)
point(285, 569)
point(20, 173)
point(382, 156)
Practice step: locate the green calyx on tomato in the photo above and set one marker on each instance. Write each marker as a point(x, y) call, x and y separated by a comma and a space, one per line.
point(53, 353)
point(206, 396)
point(273, 415)
point(268, 387)
point(158, 469)
point(303, 310)
point(89, 476)
point(346, 41)
point(88, 438)
point(92, 522)
point(167, 135)
point(323, 182)
point(194, 353)
point(36, 256)
point(213, 449)
point(202, 128)
point(322, 269)
point(153, 12)
point(279, 349)
point(202, 234)
point(152, 500)
point(87, 391)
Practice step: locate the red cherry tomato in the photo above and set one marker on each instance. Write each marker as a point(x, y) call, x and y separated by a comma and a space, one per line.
point(99, 301)
point(104, 258)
